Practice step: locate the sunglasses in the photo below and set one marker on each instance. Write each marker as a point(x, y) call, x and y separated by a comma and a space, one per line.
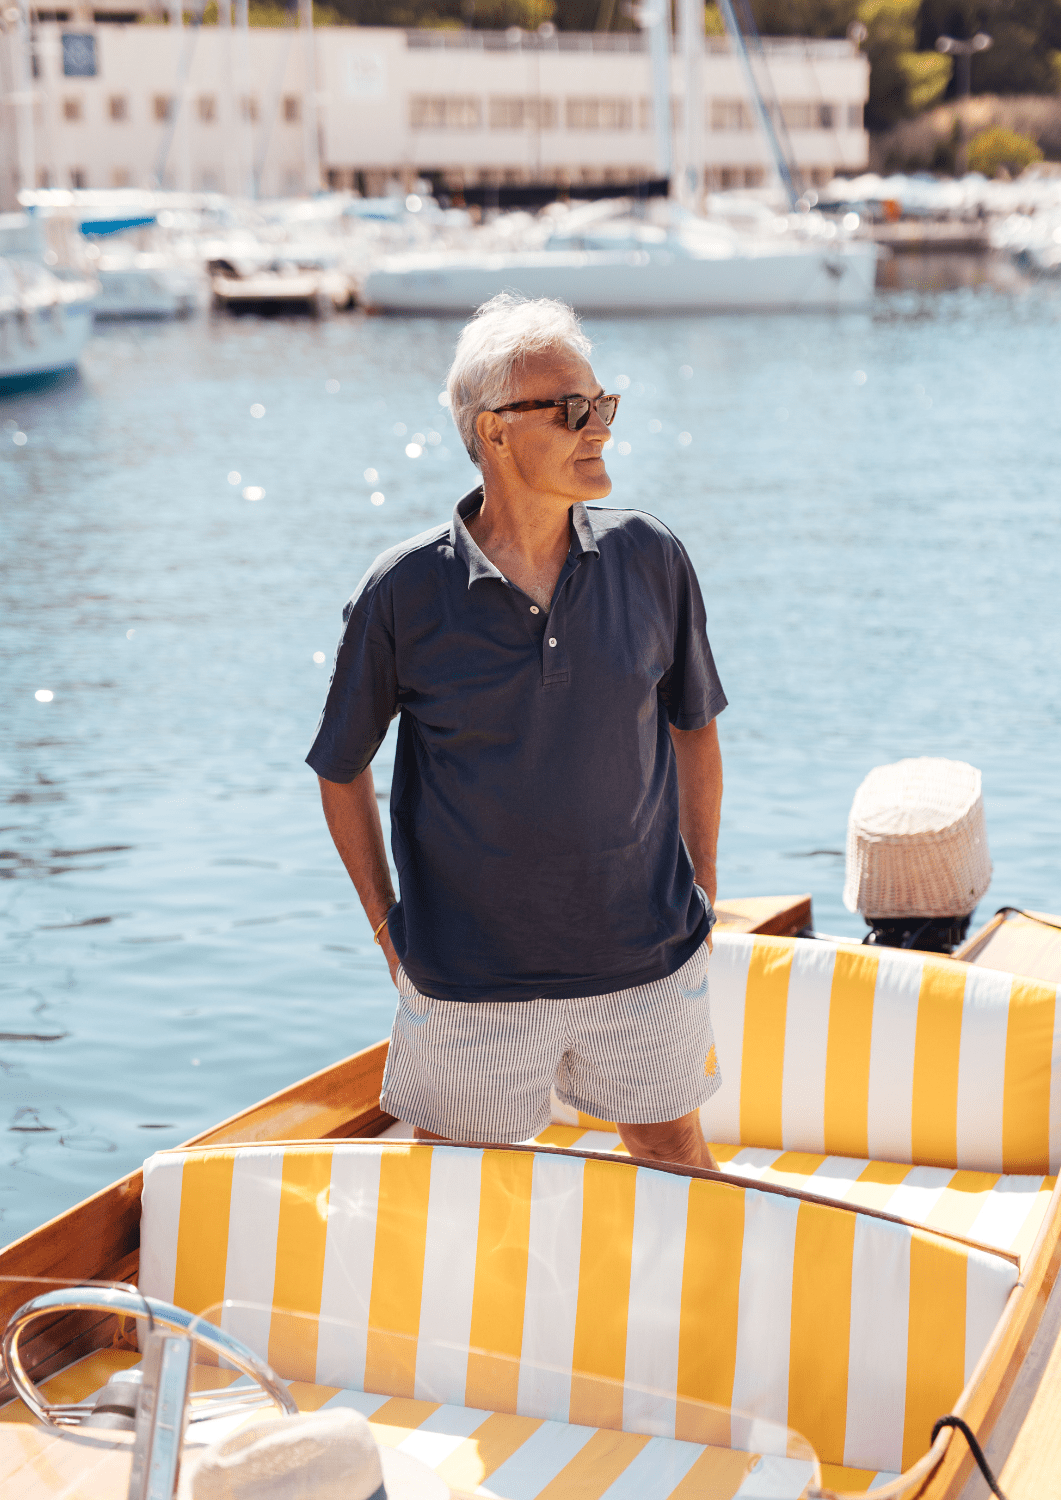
point(578, 409)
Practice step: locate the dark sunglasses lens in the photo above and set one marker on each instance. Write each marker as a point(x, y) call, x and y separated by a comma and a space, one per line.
point(577, 413)
point(606, 409)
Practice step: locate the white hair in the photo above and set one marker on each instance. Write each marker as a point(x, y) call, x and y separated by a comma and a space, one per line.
point(493, 348)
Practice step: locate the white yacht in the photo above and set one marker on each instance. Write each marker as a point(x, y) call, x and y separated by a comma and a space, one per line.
point(45, 313)
point(603, 259)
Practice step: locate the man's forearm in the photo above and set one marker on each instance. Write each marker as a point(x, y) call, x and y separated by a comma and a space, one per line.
point(352, 814)
point(699, 761)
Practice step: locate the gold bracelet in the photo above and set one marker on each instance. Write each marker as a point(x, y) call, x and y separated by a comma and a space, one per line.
point(379, 929)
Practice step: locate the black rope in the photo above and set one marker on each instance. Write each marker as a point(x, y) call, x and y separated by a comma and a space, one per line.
point(1020, 912)
point(975, 1449)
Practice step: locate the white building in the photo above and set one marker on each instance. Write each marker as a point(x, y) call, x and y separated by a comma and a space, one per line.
point(281, 111)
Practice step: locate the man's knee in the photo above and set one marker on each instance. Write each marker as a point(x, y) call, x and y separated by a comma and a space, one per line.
point(680, 1141)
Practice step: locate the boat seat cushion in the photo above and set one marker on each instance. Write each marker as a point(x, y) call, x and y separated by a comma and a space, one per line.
point(998, 1212)
point(883, 1055)
point(506, 1455)
point(567, 1277)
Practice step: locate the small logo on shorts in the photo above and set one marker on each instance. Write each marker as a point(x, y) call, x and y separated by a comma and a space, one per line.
point(711, 1064)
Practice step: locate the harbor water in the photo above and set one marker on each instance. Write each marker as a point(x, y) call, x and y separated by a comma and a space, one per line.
point(871, 502)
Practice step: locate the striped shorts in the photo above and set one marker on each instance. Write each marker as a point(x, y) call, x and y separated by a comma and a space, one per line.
point(483, 1071)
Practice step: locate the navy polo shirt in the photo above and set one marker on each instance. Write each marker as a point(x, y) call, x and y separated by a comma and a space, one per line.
point(534, 805)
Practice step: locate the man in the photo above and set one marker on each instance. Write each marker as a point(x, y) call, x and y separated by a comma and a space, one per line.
point(557, 781)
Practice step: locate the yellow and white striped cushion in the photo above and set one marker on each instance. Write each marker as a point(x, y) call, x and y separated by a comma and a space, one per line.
point(472, 1451)
point(883, 1055)
point(998, 1212)
point(568, 1273)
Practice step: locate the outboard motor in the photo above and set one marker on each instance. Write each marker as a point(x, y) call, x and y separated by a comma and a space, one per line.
point(917, 855)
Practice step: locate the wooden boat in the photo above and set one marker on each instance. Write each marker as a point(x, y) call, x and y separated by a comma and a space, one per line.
point(881, 1249)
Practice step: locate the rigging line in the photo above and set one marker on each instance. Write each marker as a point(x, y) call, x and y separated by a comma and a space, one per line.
point(187, 53)
point(771, 117)
point(974, 1447)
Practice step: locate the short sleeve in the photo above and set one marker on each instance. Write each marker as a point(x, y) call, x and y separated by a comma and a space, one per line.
point(362, 695)
point(690, 689)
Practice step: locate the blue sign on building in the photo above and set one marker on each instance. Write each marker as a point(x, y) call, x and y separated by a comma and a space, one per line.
point(79, 54)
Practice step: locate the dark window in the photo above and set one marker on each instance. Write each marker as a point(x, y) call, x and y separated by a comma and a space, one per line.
point(292, 109)
point(79, 54)
point(119, 107)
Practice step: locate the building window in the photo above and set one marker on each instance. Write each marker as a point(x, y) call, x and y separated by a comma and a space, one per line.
point(292, 109)
point(79, 54)
point(731, 114)
point(164, 107)
point(72, 109)
point(121, 177)
point(644, 114)
point(118, 107)
point(445, 112)
point(248, 108)
point(206, 105)
point(511, 112)
point(826, 116)
point(800, 116)
point(854, 117)
point(600, 114)
point(78, 178)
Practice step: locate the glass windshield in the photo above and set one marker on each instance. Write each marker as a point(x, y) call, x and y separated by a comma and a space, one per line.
point(478, 1418)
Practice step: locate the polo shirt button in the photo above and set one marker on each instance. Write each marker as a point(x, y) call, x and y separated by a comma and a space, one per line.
point(552, 640)
point(534, 609)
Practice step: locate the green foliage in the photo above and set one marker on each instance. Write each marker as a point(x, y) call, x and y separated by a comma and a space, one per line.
point(713, 22)
point(927, 77)
point(1024, 34)
point(998, 147)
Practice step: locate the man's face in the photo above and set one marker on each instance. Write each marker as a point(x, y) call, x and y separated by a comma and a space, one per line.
point(546, 455)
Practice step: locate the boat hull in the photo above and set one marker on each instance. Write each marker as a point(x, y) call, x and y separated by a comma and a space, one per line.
point(39, 343)
point(810, 279)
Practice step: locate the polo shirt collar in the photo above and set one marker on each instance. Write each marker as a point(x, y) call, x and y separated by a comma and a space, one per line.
point(476, 561)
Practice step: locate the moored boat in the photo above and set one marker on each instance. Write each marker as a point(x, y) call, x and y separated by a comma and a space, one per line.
point(879, 1251)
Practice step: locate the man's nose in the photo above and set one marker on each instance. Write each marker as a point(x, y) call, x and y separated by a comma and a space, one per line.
point(596, 426)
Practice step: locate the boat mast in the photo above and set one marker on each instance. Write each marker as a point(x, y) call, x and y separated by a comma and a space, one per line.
point(786, 170)
point(311, 161)
point(654, 18)
point(244, 122)
point(22, 97)
point(692, 34)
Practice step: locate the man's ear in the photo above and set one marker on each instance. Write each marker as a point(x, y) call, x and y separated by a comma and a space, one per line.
point(492, 430)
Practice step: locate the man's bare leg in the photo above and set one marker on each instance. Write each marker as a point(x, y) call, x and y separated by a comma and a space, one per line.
point(680, 1141)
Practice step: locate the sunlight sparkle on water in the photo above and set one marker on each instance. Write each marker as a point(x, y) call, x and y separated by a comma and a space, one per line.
point(655, 425)
point(257, 410)
point(44, 695)
point(234, 477)
point(685, 438)
point(19, 439)
point(860, 377)
point(318, 657)
point(400, 429)
point(129, 634)
point(624, 449)
point(413, 450)
point(332, 387)
point(371, 476)
point(254, 492)
point(377, 498)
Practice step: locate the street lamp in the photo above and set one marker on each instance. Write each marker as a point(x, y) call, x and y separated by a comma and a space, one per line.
point(963, 51)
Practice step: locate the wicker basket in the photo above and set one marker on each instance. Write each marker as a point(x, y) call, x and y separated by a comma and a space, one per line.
point(917, 841)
